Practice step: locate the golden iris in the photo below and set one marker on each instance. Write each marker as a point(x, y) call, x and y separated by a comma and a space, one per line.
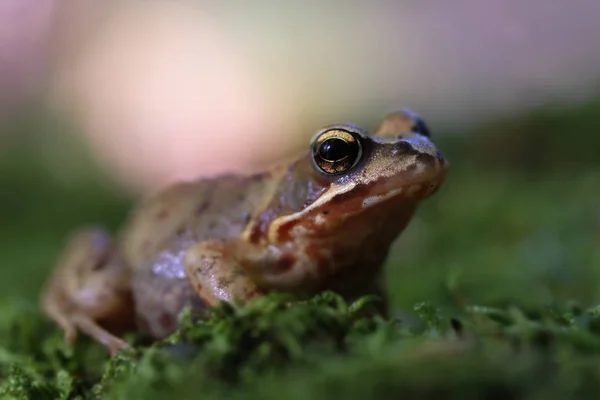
point(336, 151)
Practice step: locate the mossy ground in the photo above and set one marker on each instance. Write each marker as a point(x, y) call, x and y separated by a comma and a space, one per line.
point(495, 285)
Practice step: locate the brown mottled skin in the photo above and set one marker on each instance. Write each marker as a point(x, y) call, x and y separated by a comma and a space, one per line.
point(296, 227)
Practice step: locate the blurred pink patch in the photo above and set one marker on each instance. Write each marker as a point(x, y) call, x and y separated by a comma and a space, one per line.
point(164, 91)
point(164, 96)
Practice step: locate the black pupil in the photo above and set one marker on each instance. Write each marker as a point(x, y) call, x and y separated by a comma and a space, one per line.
point(335, 149)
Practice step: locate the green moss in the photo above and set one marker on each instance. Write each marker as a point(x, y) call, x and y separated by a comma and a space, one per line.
point(316, 348)
point(237, 344)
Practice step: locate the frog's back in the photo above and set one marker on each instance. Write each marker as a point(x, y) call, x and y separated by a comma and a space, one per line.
point(201, 210)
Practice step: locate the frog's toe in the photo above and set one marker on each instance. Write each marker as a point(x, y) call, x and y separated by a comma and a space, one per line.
point(115, 345)
point(70, 334)
point(98, 333)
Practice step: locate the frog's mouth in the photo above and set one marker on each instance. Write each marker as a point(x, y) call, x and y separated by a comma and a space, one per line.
point(409, 185)
point(355, 198)
point(411, 193)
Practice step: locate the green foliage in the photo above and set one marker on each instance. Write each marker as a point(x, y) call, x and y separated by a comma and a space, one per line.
point(236, 345)
point(314, 348)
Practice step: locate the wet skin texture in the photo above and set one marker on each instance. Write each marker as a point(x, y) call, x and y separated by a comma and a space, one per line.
point(324, 221)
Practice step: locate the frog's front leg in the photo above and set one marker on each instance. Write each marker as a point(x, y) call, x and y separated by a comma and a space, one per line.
point(89, 290)
point(215, 271)
point(233, 269)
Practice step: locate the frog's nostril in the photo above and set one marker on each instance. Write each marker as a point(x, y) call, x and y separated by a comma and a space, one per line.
point(406, 147)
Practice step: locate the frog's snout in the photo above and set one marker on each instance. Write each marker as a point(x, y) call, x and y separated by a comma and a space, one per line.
point(418, 144)
point(422, 147)
point(441, 160)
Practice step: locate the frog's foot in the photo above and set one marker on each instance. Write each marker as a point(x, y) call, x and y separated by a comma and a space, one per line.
point(90, 285)
point(73, 321)
point(216, 275)
point(91, 328)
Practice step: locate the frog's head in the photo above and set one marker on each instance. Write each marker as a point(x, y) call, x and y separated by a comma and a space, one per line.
point(362, 175)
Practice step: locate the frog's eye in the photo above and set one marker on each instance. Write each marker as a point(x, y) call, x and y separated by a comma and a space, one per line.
point(336, 151)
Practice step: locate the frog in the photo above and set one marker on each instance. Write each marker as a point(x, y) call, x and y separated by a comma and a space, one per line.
point(324, 220)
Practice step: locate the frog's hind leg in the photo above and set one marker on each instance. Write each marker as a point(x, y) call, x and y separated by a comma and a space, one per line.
point(91, 328)
point(89, 290)
point(72, 321)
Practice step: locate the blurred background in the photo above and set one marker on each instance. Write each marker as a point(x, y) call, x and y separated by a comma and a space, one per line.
point(101, 102)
